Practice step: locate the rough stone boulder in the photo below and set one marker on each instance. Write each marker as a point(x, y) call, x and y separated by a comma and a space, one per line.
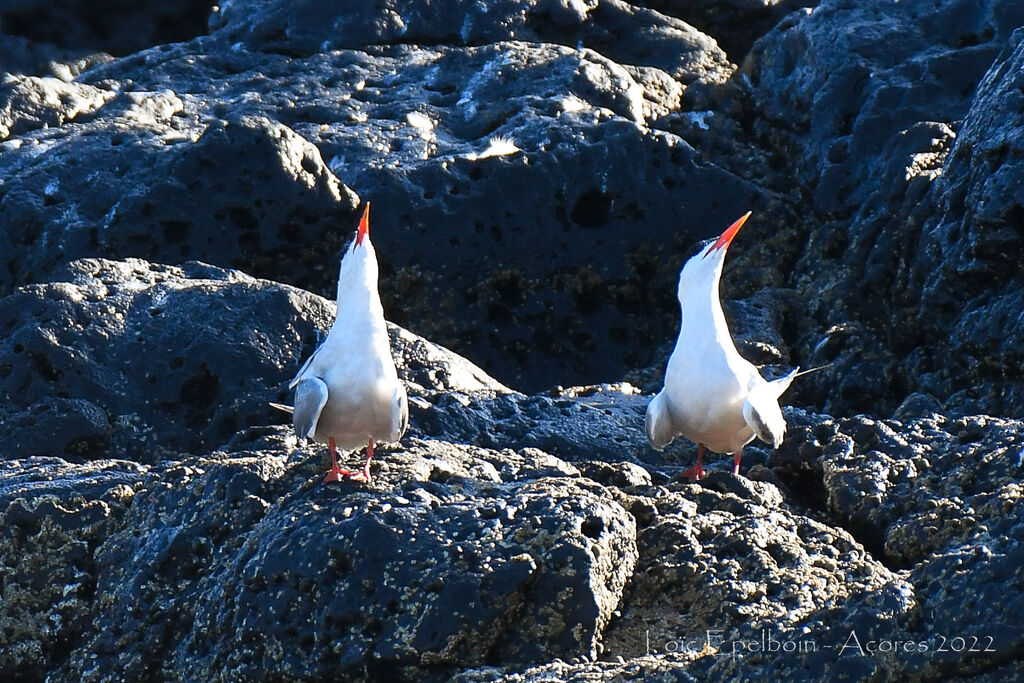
point(145, 179)
point(902, 247)
point(461, 559)
point(970, 248)
point(145, 361)
point(245, 565)
point(938, 499)
point(31, 102)
point(218, 149)
point(53, 515)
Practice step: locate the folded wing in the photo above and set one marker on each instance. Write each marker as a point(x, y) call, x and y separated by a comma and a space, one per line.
point(660, 429)
point(401, 407)
point(310, 399)
point(761, 408)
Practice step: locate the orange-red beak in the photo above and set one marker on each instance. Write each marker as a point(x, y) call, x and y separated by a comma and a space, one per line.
point(730, 232)
point(364, 224)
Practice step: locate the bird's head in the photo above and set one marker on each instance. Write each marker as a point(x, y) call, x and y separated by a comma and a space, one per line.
point(363, 232)
point(359, 262)
point(705, 267)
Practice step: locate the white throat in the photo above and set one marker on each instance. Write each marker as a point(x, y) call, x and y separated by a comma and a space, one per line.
point(359, 322)
point(702, 319)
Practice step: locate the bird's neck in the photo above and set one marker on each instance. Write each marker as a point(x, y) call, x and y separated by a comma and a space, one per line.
point(360, 309)
point(359, 306)
point(701, 309)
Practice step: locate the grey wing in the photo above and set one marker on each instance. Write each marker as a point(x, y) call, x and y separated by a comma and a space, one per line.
point(298, 375)
point(658, 423)
point(310, 399)
point(402, 407)
point(762, 413)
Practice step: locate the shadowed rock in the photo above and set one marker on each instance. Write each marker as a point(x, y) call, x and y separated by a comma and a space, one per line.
point(115, 26)
point(566, 273)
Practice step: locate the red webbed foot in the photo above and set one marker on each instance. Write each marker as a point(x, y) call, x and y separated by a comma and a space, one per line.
point(696, 473)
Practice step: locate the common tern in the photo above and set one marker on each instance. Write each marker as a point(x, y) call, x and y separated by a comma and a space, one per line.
point(348, 393)
point(712, 395)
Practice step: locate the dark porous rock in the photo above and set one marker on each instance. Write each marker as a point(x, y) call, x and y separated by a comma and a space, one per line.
point(53, 515)
point(431, 130)
point(939, 499)
point(173, 359)
point(250, 568)
point(968, 259)
point(69, 426)
point(657, 668)
point(193, 516)
point(242, 192)
point(907, 490)
point(755, 323)
point(429, 370)
point(488, 561)
point(721, 566)
point(115, 26)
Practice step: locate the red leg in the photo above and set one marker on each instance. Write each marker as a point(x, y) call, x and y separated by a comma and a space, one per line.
point(336, 472)
point(736, 461)
point(369, 457)
point(696, 472)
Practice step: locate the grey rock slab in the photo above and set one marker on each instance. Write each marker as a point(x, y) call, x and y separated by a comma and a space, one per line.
point(624, 32)
point(599, 423)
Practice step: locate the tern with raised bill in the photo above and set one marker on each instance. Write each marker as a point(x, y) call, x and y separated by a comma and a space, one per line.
point(712, 395)
point(348, 393)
